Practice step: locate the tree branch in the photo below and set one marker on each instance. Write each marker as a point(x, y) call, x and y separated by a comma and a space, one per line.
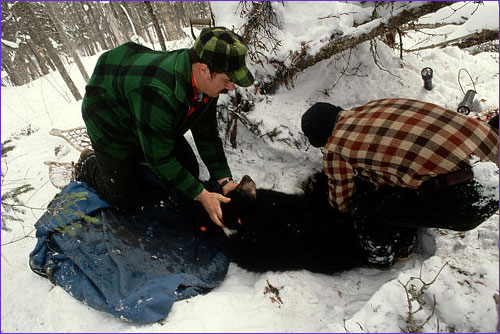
point(284, 74)
point(464, 41)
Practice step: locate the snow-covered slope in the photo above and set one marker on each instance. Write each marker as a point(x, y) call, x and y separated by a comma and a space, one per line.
point(460, 269)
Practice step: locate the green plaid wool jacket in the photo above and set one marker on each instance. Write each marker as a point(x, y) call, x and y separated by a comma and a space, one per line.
point(401, 143)
point(138, 98)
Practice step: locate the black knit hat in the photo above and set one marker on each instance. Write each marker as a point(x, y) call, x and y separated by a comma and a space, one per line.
point(318, 122)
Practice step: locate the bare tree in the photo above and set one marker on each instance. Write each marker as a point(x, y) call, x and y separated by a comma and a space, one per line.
point(94, 22)
point(69, 46)
point(84, 28)
point(47, 44)
point(130, 10)
point(140, 8)
point(114, 24)
point(156, 24)
point(23, 58)
point(169, 10)
point(72, 17)
point(12, 65)
point(109, 32)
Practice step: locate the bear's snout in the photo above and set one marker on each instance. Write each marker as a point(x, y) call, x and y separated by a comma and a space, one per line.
point(247, 185)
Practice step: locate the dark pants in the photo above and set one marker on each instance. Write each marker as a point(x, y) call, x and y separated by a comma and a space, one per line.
point(493, 122)
point(118, 181)
point(387, 219)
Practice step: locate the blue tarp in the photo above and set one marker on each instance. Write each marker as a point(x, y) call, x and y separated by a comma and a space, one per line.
point(131, 265)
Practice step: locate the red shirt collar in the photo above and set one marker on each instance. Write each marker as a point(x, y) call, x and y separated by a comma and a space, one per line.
point(194, 89)
point(198, 98)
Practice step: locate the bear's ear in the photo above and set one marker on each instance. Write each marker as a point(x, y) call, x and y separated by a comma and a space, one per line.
point(247, 186)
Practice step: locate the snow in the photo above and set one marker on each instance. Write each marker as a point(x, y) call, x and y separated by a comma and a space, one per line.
point(10, 44)
point(482, 19)
point(486, 174)
point(462, 266)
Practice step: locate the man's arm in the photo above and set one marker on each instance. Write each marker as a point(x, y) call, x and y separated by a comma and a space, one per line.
point(154, 119)
point(206, 136)
point(156, 134)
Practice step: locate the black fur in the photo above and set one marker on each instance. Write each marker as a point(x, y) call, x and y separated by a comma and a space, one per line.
point(281, 231)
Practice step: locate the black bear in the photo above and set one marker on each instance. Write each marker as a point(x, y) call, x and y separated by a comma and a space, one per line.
point(278, 231)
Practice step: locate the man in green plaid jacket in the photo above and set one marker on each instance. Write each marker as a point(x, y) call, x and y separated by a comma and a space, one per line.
point(138, 105)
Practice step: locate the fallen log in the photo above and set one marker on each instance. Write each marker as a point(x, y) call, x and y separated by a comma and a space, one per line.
point(285, 74)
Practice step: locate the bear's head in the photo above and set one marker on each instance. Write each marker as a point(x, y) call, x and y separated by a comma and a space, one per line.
point(242, 206)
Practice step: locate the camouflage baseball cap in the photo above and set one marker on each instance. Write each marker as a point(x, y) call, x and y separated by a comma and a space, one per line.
point(224, 51)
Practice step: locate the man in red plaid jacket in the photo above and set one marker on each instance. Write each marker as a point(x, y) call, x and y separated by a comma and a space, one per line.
point(399, 164)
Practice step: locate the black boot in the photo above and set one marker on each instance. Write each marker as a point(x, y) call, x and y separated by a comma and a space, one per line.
point(375, 238)
point(80, 167)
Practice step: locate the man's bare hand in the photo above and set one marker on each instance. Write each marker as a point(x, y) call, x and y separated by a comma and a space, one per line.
point(211, 203)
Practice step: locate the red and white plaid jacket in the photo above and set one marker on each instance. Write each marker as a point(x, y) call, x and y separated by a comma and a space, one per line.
point(401, 142)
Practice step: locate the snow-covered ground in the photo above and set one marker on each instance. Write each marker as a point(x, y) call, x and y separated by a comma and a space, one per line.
point(461, 269)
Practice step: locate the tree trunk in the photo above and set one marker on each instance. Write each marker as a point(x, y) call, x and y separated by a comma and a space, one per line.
point(33, 71)
point(29, 50)
point(45, 66)
point(169, 22)
point(84, 40)
point(135, 21)
point(52, 52)
point(18, 75)
point(67, 43)
point(180, 19)
point(156, 24)
point(122, 21)
point(95, 26)
point(113, 23)
point(109, 34)
point(144, 23)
